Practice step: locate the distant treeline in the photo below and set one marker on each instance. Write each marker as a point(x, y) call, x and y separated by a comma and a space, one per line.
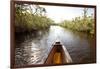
point(82, 24)
point(27, 20)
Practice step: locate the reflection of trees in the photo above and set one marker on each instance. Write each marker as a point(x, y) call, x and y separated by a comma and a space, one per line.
point(23, 54)
point(26, 36)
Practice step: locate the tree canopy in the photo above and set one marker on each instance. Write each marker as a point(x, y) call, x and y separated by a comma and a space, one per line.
point(27, 20)
point(83, 23)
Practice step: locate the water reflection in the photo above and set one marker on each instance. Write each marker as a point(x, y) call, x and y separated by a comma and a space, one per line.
point(34, 50)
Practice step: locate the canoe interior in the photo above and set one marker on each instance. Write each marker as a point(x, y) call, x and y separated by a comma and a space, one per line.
point(58, 55)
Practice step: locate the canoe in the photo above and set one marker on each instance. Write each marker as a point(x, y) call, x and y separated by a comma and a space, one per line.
point(58, 55)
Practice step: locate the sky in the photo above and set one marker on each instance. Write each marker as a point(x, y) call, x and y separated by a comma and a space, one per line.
point(58, 13)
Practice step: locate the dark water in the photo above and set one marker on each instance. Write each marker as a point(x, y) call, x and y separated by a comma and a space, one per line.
point(34, 48)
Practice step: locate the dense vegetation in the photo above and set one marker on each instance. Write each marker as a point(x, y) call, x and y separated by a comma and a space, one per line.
point(27, 20)
point(30, 18)
point(82, 24)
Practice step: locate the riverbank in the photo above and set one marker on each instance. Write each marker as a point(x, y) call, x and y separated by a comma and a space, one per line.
point(27, 21)
point(74, 27)
point(80, 24)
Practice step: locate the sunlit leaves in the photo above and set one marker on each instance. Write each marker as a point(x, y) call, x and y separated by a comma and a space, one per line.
point(30, 18)
point(84, 23)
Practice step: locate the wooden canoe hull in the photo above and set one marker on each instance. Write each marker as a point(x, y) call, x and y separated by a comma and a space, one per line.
point(58, 55)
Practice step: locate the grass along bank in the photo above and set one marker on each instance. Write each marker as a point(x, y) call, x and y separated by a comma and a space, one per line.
point(26, 20)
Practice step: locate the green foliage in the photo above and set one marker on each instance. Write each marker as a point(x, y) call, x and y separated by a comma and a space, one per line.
point(82, 24)
point(27, 20)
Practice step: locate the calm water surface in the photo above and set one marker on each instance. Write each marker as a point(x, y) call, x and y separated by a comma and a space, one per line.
point(34, 49)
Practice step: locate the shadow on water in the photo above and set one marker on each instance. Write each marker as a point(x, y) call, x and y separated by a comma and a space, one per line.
point(30, 48)
point(34, 48)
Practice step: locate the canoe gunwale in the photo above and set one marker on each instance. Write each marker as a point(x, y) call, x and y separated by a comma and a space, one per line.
point(57, 47)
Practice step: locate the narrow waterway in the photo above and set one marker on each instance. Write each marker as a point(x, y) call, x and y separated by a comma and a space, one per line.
point(34, 50)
